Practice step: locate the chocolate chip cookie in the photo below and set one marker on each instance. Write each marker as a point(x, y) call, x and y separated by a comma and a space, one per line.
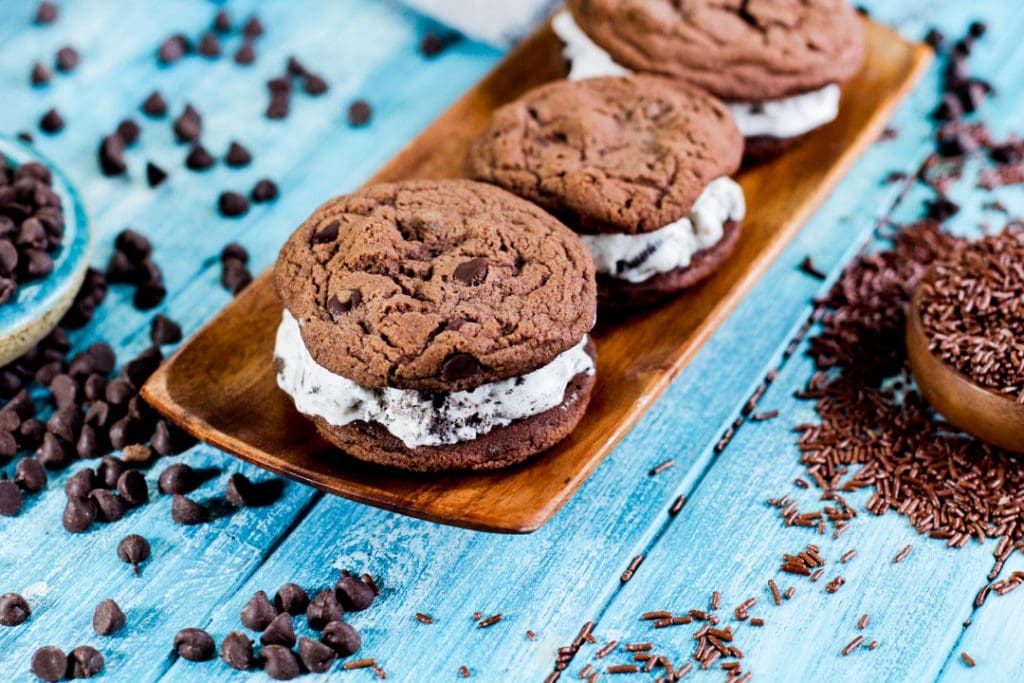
point(638, 165)
point(436, 325)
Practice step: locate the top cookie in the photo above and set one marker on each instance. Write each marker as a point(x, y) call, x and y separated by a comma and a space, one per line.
point(435, 285)
point(619, 154)
point(739, 50)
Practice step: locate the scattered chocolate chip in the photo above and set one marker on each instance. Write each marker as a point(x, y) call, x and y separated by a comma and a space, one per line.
point(235, 276)
point(49, 664)
point(316, 657)
point(279, 106)
point(264, 191)
point(359, 113)
point(280, 631)
point(51, 122)
point(134, 550)
point(189, 125)
point(178, 478)
point(79, 514)
point(341, 638)
point(280, 85)
point(258, 612)
point(168, 441)
point(234, 251)
point(80, 484)
point(232, 204)
point(110, 507)
point(67, 59)
point(14, 609)
point(154, 105)
point(237, 155)
point(324, 609)
point(111, 156)
point(432, 45)
point(977, 29)
point(471, 272)
point(199, 159)
point(52, 454)
point(194, 644)
point(30, 476)
point(85, 661)
point(40, 74)
point(252, 28)
point(132, 487)
point(315, 85)
point(236, 651)
point(109, 471)
point(10, 498)
point(209, 45)
point(129, 131)
point(172, 49)
point(941, 208)
point(108, 618)
point(246, 53)
point(221, 22)
point(154, 174)
point(279, 662)
point(187, 511)
point(354, 594)
point(292, 599)
point(46, 13)
point(164, 331)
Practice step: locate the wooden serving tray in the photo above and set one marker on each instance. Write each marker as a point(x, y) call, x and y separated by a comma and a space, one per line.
point(232, 400)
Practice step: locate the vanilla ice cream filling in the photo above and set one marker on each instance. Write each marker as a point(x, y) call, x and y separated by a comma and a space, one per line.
point(421, 418)
point(782, 118)
point(639, 257)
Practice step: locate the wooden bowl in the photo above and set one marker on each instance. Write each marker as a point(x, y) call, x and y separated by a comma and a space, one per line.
point(989, 415)
point(39, 305)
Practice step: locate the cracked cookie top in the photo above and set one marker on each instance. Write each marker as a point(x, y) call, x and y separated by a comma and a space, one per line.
point(435, 285)
point(618, 154)
point(739, 50)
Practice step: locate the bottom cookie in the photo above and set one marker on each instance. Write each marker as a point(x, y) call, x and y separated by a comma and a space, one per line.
point(761, 148)
point(616, 293)
point(501, 447)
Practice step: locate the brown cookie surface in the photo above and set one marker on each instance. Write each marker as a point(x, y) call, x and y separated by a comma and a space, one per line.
point(435, 285)
point(621, 294)
point(739, 50)
point(625, 155)
point(501, 447)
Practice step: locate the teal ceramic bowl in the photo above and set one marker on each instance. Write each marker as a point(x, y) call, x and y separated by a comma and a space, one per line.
point(39, 305)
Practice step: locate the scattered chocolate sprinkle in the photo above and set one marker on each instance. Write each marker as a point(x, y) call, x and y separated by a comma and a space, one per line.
point(423, 618)
point(968, 660)
point(490, 621)
point(677, 505)
point(902, 554)
point(631, 569)
point(852, 645)
point(658, 469)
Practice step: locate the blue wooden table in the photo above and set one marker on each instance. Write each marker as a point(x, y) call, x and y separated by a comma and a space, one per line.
point(551, 582)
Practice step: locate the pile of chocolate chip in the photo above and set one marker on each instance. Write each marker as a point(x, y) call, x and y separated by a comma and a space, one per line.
point(276, 623)
point(31, 225)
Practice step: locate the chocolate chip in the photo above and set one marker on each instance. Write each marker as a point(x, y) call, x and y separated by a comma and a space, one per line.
point(8, 446)
point(221, 22)
point(107, 619)
point(359, 113)
point(471, 272)
point(40, 264)
point(85, 661)
point(172, 49)
point(132, 487)
point(95, 387)
point(236, 651)
point(49, 664)
point(189, 125)
point(51, 454)
point(179, 478)
point(138, 370)
point(110, 507)
point(187, 511)
point(134, 550)
point(232, 204)
point(432, 45)
point(341, 638)
point(154, 105)
point(67, 59)
point(87, 446)
point(237, 155)
point(166, 442)
point(252, 28)
point(327, 233)
point(209, 46)
point(51, 122)
point(111, 156)
point(280, 631)
point(199, 159)
point(65, 423)
point(246, 53)
point(40, 74)
point(258, 612)
point(80, 484)
point(30, 476)
point(234, 251)
point(279, 662)
point(459, 366)
point(244, 493)
point(977, 29)
point(8, 257)
point(155, 174)
point(46, 13)
point(194, 644)
point(264, 191)
point(79, 514)
point(324, 609)
point(64, 390)
point(129, 131)
point(279, 106)
point(315, 85)
point(109, 470)
point(317, 657)
point(14, 609)
point(292, 599)
point(163, 330)
point(353, 594)
point(235, 276)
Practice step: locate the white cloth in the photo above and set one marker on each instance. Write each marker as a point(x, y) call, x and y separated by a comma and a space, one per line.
point(498, 22)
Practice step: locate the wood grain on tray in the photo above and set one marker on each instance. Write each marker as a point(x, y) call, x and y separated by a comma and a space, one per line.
point(232, 401)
